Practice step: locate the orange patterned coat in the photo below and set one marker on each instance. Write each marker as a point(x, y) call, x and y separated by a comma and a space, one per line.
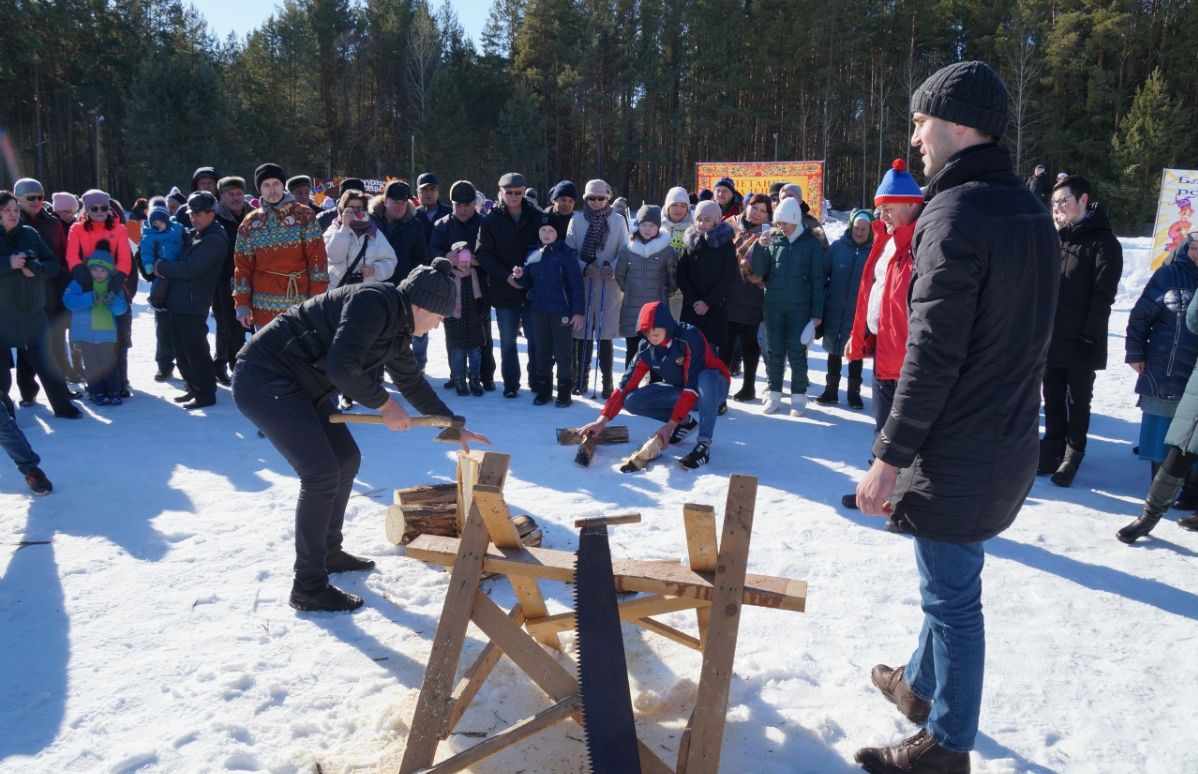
point(279, 261)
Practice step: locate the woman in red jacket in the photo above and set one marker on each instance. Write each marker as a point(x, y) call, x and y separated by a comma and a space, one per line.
point(880, 323)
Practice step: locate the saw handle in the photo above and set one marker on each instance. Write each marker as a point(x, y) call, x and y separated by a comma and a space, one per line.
point(377, 419)
point(623, 518)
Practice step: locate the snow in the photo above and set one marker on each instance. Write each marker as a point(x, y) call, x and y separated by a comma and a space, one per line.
point(145, 627)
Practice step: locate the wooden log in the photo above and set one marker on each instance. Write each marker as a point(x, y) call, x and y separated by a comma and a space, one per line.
point(649, 451)
point(586, 452)
point(611, 434)
point(406, 523)
point(631, 575)
point(427, 493)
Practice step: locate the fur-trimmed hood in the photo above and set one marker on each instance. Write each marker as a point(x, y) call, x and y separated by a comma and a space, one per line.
point(653, 246)
point(721, 235)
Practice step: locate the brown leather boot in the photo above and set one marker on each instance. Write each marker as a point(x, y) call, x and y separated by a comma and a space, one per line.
point(890, 682)
point(918, 754)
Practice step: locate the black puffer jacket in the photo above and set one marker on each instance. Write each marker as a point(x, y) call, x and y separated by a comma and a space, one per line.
point(964, 427)
point(1157, 334)
point(23, 299)
point(504, 243)
point(447, 232)
point(406, 237)
point(195, 274)
point(335, 340)
point(1091, 263)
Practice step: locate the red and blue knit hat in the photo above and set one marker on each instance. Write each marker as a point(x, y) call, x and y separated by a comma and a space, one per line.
point(898, 187)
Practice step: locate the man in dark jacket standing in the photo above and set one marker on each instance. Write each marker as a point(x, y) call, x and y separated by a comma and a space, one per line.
point(396, 218)
point(508, 233)
point(1040, 185)
point(194, 277)
point(203, 179)
point(957, 455)
point(230, 334)
point(1091, 264)
point(283, 382)
point(431, 209)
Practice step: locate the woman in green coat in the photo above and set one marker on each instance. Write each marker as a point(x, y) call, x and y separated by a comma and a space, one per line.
point(791, 265)
point(1182, 443)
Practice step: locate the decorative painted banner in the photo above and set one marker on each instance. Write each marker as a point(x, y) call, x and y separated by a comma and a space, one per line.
point(322, 188)
point(758, 176)
point(1174, 213)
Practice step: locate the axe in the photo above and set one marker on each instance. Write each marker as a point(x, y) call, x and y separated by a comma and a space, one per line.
point(451, 434)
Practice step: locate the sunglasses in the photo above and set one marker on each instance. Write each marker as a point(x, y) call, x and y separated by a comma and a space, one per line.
point(596, 198)
point(35, 198)
point(104, 208)
point(513, 193)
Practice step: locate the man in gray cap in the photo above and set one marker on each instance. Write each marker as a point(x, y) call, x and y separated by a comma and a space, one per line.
point(1040, 184)
point(958, 454)
point(431, 208)
point(285, 390)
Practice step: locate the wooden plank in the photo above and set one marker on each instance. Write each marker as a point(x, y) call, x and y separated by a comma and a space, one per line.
point(711, 701)
point(630, 610)
point(669, 632)
point(509, 736)
point(651, 763)
point(631, 575)
point(515, 643)
point(426, 493)
point(489, 500)
point(699, 521)
point(610, 434)
point(432, 708)
point(479, 467)
point(474, 677)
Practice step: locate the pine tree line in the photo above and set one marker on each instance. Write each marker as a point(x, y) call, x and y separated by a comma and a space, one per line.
point(134, 94)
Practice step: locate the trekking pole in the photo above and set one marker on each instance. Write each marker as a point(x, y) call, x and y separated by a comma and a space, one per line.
point(598, 336)
point(586, 337)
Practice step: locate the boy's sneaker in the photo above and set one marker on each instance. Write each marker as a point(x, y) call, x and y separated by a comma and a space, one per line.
point(698, 456)
point(38, 482)
point(115, 400)
point(328, 599)
point(683, 429)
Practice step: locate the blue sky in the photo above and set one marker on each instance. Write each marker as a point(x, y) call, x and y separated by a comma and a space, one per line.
point(242, 16)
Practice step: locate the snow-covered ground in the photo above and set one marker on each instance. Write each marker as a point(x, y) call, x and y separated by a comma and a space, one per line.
point(144, 623)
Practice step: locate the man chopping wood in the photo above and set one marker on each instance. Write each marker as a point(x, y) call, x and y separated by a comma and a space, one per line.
point(284, 381)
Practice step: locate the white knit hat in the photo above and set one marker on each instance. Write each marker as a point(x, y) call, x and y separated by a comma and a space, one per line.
point(789, 211)
point(597, 188)
point(677, 195)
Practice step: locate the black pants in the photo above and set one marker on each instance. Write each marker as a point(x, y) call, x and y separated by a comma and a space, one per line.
point(746, 335)
point(883, 400)
point(124, 340)
point(323, 455)
point(230, 334)
point(554, 344)
point(33, 343)
point(1067, 395)
point(164, 349)
point(189, 340)
point(60, 323)
point(834, 365)
point(27, 385)
point(99, 368)
point(584, 361)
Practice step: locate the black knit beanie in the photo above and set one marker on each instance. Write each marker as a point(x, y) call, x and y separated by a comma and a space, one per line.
point(432, 287)
point(268, 171)
point(966, 93)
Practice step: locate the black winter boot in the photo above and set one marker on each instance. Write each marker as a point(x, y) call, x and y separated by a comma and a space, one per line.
point(1068, 469)
point(563, 395)
point(605, 365)
point(327, 599)
point(460, 386)
point(1051, 454)
point(476, 387)
point(829, 396)
point(1189, 522)
point(1188, 499)
point(855, 393)
point(1160, 494)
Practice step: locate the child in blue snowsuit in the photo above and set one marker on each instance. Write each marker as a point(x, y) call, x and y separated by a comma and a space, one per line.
point(162, 239)
point(554, 283)
point(93, 326)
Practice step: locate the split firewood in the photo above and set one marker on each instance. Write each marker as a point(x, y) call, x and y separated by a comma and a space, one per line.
point(611, 434)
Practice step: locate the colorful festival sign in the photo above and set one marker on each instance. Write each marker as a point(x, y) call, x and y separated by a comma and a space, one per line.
point(758, 176)
point(322, 188)
point(1174, 212)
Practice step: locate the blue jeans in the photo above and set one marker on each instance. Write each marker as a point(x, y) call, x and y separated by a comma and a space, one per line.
point(420, 350)
point(657, 401)
point(948, 664)
point(459, 356)
point(510, 319)
point(16, 444)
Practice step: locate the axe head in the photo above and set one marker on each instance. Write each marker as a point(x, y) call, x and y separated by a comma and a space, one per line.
point(453, 429)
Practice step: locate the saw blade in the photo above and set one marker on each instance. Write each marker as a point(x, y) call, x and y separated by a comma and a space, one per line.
point(608, 723)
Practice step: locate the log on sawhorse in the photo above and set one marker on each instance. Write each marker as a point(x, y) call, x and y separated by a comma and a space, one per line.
point(716, 586)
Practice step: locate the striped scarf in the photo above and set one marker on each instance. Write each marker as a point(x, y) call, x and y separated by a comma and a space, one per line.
point(596, 231)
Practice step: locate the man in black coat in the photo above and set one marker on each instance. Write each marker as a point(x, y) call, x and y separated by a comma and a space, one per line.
point(396, 219)
point(431, 209)
point(230, 334)
point(957, 456)
point(283, 383)
point(1040, 185)
point(193, 279)
point(1091, 264)
point(507, 235)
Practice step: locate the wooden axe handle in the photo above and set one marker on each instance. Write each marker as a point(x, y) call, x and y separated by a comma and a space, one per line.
point(377, 419)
